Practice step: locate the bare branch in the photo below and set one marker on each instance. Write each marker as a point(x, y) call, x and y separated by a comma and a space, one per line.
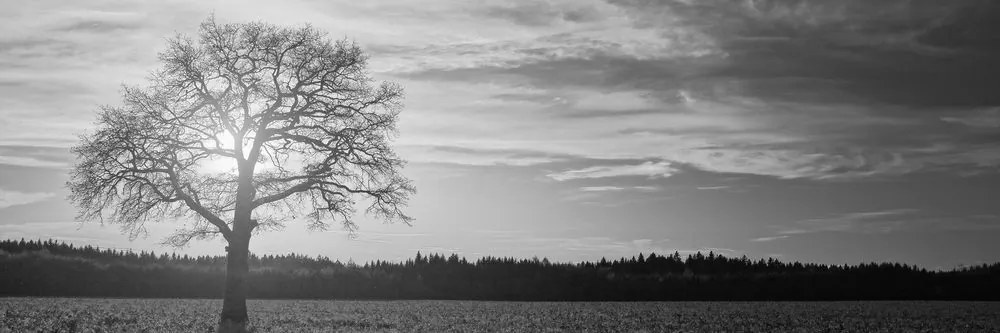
point(310, 131)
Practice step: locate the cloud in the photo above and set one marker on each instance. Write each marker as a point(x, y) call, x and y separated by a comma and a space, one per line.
point(63, 59)
point(711, 84)
point(97, 27)
point(35, 156)
point(619, 188)
point(609, 196)
point(975, 222)
point(543, 13)
point(15, 198)
point(476, 156)
point(790, 163)
point(768, 239)
point(646, 169)
point(888, 221)
point(869, 222)
point(969, 27)
point(98, 22)
point(716, 84)
point(889, 51)
point(987, 118)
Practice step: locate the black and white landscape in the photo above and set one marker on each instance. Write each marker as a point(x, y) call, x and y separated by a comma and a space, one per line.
point(182, 165)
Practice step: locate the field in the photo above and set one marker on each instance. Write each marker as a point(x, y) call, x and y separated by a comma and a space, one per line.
point(179, 315)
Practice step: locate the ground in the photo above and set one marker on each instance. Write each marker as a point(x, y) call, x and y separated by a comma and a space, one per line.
point(186, 315)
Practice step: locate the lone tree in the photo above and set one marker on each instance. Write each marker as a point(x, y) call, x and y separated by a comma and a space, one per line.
point(242, 129)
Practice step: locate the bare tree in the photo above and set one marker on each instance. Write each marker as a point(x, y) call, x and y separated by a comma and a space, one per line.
point(296, 114)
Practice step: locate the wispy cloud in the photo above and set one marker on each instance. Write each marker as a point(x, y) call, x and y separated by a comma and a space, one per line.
point(768, 239)
point(476, 156)
point(882, 221)
point(544, 13)
point(887, 221)
point(35, 156)
point(619, 188)
point(15, 198)
point(646, 169)
point(987, 117)
point(614, 195)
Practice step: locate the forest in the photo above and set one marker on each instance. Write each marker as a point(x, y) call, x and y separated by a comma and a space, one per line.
point(52, 268)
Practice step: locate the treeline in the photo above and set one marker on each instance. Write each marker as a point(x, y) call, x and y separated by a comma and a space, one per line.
point(50, 268)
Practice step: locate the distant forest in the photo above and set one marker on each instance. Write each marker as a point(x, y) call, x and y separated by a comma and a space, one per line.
point(50, 268)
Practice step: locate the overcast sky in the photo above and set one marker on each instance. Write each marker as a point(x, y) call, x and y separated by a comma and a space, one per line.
point(823, 131)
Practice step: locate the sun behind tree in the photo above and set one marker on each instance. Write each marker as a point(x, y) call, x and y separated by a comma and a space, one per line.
point(309, 131)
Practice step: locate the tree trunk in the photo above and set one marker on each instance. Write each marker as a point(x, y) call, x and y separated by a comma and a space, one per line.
point(234, 302)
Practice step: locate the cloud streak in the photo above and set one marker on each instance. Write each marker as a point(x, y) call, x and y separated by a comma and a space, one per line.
point(15, 198)
point(35, 156)
point(768, 239)
point(619, 188)
point(868, 222)
point(649, 169)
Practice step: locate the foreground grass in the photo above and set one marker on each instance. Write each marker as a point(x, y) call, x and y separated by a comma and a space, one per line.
point(179, 315)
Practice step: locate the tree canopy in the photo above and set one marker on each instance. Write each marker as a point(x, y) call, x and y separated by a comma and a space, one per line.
point(297, 116)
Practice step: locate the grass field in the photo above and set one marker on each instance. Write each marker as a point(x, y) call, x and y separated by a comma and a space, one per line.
point(173, 315)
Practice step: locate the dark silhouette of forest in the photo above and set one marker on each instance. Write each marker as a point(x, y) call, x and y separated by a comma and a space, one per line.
point(50, 268)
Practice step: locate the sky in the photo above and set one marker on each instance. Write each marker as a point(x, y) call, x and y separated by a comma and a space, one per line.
point(822, 131)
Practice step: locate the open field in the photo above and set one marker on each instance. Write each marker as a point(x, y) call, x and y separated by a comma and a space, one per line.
point(186, 315)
